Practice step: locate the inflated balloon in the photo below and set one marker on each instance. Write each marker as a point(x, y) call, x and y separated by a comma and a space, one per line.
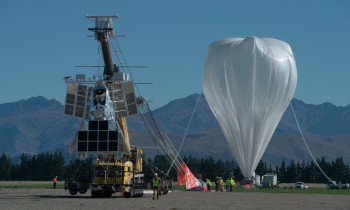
point(248, 84)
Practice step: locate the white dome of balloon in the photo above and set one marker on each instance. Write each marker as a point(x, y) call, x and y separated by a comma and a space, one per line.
point(248, 84)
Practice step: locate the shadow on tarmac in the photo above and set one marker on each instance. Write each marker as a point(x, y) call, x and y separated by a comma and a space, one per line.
point(71, 197)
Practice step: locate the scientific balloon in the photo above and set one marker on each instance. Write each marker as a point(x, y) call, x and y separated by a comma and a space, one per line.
point(248, 84)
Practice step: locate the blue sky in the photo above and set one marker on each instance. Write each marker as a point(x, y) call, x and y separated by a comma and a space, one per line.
point(42, 41)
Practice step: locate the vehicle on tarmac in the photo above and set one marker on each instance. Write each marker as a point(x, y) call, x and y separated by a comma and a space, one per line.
point(300, 185)
point(269, 180)
point(74, 186)
point(334, 185)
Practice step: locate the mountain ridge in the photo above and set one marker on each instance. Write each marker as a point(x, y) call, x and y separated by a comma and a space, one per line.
point(38, 125)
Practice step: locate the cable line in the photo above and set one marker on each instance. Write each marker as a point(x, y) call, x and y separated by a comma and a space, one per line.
point(307, 147)
point(184, 137)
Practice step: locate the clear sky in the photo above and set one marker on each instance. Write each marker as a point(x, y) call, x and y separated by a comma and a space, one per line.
point(42, 41)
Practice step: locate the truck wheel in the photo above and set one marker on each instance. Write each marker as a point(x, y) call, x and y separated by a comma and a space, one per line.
point(82, 190)
point(107, 194)
point(73, 191)
point(131, 191)
point(96, 193)
point(129, 194)
point(139, 193)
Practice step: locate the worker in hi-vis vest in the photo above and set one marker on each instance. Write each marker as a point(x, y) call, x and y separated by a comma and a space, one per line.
point(208, 183)
point(228, 182)
point(232, 183)
point(221, 183)
point(155, 185)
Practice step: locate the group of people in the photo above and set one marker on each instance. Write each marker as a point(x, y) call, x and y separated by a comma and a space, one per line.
point(220, 184)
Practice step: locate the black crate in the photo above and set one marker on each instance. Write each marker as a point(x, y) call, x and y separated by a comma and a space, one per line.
point(113, 146)
point(102, 146)
point(103, 135)
point(82, 136)
point(92, 146)
point(113, 135)
point(93, 125)
point(93, 135)
point(103, 125)
point(82, 146)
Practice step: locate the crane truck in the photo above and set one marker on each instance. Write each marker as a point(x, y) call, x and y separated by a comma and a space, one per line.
point(103, 102)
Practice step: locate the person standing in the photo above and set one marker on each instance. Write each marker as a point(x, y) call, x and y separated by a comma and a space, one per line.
point(227, 184)
point(54, 182)
point(208, 183)
point(221, 184)
point(171, 184)
point(155, 185)
point(217, 184)
point(232, 183)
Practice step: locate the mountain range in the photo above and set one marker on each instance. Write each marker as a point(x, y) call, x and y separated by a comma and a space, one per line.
point(38, 125)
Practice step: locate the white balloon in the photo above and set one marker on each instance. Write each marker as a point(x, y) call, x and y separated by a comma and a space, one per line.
point(248, 84)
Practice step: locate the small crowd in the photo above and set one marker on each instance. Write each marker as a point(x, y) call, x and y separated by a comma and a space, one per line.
point(220, 185)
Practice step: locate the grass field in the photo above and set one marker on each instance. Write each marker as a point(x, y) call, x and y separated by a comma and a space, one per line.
point(304, 191)
point(310, 190)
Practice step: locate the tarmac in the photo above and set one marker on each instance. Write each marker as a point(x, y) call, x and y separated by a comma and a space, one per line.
point(22, 198)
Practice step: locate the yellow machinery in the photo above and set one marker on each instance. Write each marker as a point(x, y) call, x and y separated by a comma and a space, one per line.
point(104, 103)
point(112, 175)
point(119, 175)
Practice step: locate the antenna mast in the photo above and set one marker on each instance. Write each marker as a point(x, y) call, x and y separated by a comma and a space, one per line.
point(103, 30)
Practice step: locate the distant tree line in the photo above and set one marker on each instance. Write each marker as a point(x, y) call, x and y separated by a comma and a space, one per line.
point(40, 167)
point(44, 166)
point(287, 173)
point(309, 172)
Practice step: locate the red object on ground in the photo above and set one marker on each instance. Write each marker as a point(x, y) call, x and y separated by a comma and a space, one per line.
point(247, 186)
point(204, 189)
point(185, 177)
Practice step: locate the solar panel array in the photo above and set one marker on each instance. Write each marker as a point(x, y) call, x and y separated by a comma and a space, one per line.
point(123, 98)
point(98, 138)
point(76, 97)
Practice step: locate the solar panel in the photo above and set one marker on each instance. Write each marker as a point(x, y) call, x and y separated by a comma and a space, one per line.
point(132, 108)
point(76, 97)
point(123, 98)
